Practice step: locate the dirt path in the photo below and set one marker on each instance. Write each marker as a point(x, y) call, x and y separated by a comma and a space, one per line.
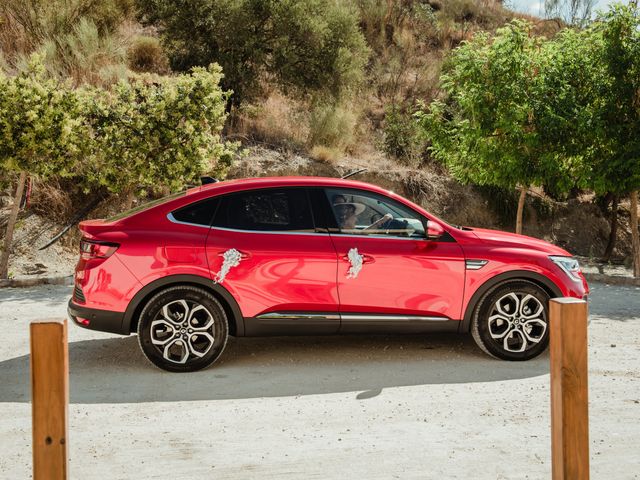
point(321, 407)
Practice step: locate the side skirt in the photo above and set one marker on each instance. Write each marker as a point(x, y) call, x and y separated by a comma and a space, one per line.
point(328, 323)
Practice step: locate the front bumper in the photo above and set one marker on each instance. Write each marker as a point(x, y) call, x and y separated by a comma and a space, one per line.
point(95, 319)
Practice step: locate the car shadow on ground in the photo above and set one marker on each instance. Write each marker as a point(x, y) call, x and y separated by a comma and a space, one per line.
point(114, 370)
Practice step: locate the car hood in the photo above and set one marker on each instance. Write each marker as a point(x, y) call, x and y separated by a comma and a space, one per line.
point(505, 239)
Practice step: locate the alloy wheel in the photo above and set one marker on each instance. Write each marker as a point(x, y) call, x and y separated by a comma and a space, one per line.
point(517, 322)
point(183, 330)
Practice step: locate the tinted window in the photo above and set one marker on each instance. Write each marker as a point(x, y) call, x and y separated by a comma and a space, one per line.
point(199, 213)
point(272, 209)
point(365, 213)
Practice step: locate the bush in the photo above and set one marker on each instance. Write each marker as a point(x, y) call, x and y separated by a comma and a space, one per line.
point(307, 45)
point(332, 125)
point(86, 55)
point(146, 55)
point(401, 136)
point(153, 131)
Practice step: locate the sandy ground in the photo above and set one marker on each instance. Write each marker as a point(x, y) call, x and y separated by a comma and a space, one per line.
point(333, 407)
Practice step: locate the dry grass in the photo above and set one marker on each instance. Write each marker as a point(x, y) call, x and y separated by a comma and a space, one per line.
point(325, 154)
point(51, 200)
point(278, 121)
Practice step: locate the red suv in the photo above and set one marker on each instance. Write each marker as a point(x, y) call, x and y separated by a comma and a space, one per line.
point(310, 256)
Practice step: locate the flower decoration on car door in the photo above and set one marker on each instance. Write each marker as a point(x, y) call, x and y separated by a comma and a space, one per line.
point(230, 258)
point(356, 260)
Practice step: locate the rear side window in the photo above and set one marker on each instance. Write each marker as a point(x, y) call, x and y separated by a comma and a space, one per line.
point(199, 213)
point(282, 209)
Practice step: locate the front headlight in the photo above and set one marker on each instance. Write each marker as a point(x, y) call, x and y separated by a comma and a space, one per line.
point(570, 266)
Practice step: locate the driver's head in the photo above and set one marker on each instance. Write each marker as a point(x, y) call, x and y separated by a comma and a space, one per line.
point(345, 211)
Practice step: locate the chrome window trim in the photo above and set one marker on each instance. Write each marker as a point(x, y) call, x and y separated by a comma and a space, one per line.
point(173, 219)
point(388, 237)
point(288, 232)
point(268, 232)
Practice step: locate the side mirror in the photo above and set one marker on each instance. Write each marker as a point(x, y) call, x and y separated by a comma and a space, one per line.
point(434, 230)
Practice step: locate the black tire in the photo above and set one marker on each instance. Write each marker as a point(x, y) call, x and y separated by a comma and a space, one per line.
point(501, 333)
point(182, 334)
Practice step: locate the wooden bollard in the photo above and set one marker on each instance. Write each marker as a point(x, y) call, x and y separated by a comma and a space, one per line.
point(49, 398)
point(569, 389)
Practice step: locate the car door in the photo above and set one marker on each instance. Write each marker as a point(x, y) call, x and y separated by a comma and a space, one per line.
point(389, 274)
point(264, 248)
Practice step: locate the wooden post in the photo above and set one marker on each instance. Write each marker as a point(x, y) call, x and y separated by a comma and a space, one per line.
point(569, 399)
point(49, 398)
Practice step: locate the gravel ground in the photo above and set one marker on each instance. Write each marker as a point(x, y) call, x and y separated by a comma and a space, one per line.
point(321, 407)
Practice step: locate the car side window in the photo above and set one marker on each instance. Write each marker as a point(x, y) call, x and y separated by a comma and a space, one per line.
point(278, 209)
point(365, 213)
point(198, 213)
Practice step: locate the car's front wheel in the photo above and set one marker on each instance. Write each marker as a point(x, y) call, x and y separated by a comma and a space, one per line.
point(182, 329)
point(511, 321)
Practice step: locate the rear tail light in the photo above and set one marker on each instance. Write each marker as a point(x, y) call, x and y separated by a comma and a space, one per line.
point(90, 249)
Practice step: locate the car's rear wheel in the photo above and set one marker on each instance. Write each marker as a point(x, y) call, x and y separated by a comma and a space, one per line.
point(511, 321)
point(182, 329)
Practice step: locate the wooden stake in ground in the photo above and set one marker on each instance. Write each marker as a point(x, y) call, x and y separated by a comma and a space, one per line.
point(569, 399)
point(49, 398)
point(13, 216)
point(523, 197)
point(635, 234)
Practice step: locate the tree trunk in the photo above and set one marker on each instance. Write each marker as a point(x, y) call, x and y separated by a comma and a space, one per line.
point(635, 234)
point(613, 232)
point(13, 216)
point(129, 198)
point(523, 196)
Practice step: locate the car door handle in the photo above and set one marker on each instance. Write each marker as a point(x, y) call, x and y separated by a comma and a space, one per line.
point(243, 255)
point(365, 258)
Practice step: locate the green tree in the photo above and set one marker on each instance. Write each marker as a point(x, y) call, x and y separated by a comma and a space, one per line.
point(614, 153)
point(310, 45)
point(152, 131)
point(41, 133)
point(487, 128)
point(592, 85)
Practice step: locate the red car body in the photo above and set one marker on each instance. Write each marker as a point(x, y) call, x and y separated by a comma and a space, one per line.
point(405, 284)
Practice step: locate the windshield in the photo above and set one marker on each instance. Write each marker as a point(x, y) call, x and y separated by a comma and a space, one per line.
point(145, 206)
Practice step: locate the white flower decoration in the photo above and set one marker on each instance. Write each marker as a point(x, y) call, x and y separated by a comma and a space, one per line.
point(356, 260)
point(230, 258)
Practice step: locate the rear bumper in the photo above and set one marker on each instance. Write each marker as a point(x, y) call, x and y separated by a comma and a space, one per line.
point(94, 319)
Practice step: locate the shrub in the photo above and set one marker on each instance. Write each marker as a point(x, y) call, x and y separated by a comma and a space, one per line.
point(151, 131)
point(85, 55)
point(146, 55)
point(401, 136)
point(307, 45)
point(332, 125)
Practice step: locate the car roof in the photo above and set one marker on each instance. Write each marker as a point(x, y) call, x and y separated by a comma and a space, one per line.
point(284, 181)
point(264, 182)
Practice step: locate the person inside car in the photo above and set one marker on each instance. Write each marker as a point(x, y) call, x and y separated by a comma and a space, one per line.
point(347, 213)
